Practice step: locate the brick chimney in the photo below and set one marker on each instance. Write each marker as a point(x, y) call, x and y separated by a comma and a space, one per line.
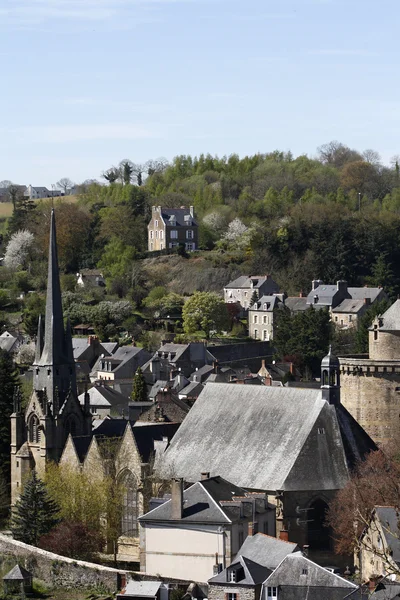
point(284, 535)
point(205, 475)
point(177, 498)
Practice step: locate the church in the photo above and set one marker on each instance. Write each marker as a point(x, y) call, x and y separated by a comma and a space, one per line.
point(39, 433)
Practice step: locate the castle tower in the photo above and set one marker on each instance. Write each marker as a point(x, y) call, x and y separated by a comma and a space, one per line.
point(53, 411)
point(330, 378)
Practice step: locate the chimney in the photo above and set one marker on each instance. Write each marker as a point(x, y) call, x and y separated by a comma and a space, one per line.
point(252, 527)
point(316, 283)
point(367, 301)
point(267, 276)
point(284, 535)
point(341, 286)
point(191, 209)
point(205, 475)
point(306, 548)
point(121, 581)
point(215, 367)
point(291, 368)
point(177, 498)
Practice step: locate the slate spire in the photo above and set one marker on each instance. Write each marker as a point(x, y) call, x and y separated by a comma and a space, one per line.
point(39, 340)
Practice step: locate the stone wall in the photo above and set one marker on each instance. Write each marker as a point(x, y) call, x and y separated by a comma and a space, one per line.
point(384, 345)
point(370, 390)
point(219, 592)
point(58, 571)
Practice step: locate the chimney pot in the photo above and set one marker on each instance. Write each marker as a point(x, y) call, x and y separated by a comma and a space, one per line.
point(306, 548)
point(205, 475)
point(284, 535)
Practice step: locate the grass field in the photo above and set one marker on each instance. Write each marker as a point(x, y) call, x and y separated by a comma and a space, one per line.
point(6, 208)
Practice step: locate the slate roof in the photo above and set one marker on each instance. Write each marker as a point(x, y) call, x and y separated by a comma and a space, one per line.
point(241, 352)
point(296, 304)
point(110, 427)
point(179, 214)
point(102, 395)
point(17, 573)
point(389, 518)
point(271, 301)
point(142, 589)
point(359, 293)
point(253, 573)
point(349, 306)
point(156, 387)
point(385, 590)
point(290, 572)
point(8, 343)
point(390, 320)
point(145, 436)
point(201, 503)
point(193, 389)
point(325, 294)
point(253, 282)
point(266, 550)
point(274, 431)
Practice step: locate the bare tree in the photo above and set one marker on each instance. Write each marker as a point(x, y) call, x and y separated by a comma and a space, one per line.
point(5, 184)
point(337, 154)
point(372, 156)
point(156, 166)
point(65, 184)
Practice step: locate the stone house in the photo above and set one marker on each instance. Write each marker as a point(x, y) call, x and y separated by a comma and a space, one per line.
point(37, 192)
point(170, 227)
point(184, 536)
point(298, 445)
point(105, 401)
point(379, 552)
point(261, 316)
point(370, 385)
point(297, 578)
point(259, 555)
point(245, 288)
point(171, 359)
point(120, 365)
point(90, 277)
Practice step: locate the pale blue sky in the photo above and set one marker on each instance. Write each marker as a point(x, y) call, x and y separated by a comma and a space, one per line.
point(86, 83)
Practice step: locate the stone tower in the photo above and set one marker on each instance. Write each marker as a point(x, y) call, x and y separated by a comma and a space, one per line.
point(330, 378)
point(39, 434)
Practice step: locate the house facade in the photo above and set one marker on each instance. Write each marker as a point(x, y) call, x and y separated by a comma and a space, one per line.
point(379, 551)
point(261, 317)
point(172, 227)
point(37, 192)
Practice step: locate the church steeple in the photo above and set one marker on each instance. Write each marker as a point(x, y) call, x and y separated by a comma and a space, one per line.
point(330, 378)
point(54, 366)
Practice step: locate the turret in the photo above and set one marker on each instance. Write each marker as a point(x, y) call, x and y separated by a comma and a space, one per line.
point(330, 378)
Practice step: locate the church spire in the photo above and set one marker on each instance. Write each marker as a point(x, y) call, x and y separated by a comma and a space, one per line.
point(39, 340)
point(53, 326)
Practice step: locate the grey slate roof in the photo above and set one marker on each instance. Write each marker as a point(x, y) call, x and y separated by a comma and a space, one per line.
point(349, 306)
point(253, 573)
point(254, 282)
point(290, 572)
point(201, 503)
point(296, 304)
point(17, 573)
point(266, 550)
point(359, 293)
point(142, 589)
point(266, 438)
point(389, 518)
point(179, 214)
point(106, 397)
point(193, 389)
point(271, 303)
point(391, 318)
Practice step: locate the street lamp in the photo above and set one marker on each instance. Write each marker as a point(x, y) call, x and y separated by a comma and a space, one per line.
point(359, 201)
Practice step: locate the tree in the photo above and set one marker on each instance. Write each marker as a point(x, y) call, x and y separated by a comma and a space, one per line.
point(139, 391)
point(65, 184)
point(8, 383)
point(126, 168)
point(74, 540)
point(375, 482)
point(205, 311)
point(111, 175)
point(18, 248)
point(35, 513)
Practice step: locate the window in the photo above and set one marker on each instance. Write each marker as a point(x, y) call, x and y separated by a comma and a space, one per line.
point(151, 234)
point(341, 321)
point(156, 223)
point(231, 596)
point(336, 319)
point(255, 319)
point(245, 294)
point(304, 572)
point(161, 246)
point(129, 511)
point(174, 234)
point(321, 430)
point(33, 428)
point(156, 235)
point(265, 335)
point(272, 593)
point(265, 319)
point(255, 334)
point(161, 235)
point(151, 245)
point(232, 576)
point(189, 234)
point(189, 247)
point(350, 317)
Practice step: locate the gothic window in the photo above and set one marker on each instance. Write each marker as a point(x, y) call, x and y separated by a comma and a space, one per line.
point(129, 524)
point(33, 429)
point(319, 535)
point(325, 377)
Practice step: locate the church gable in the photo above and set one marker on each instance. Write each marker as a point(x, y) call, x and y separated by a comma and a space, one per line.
point(321, 463)
point(70, 455)
point(93, 462)
point(128, 456)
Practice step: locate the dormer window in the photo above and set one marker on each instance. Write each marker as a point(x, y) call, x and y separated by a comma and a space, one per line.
point(232, 576)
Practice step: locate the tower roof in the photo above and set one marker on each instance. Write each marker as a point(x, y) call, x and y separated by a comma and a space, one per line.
point(330, 360)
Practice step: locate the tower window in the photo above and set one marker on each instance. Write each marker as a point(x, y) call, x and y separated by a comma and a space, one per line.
point(33, 429)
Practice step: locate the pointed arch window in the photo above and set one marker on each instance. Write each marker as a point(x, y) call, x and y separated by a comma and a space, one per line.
point(129, 525)
point(33, 429)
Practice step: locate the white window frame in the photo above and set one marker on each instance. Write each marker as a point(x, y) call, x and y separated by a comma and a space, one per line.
point(189, 246)
point(151, 234)
point(173, 234)
point(156, 235)
point(189, 234)
point(272, 593)
point(231, 596)
point(265, 335)
point(232, 576)
point(265, 319)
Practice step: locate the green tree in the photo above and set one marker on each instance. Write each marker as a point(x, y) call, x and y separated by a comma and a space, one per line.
point(205, 311)
point(8, 383)
point(139, 391)
point(34, 306)
point(382, 275)
point(35, 513)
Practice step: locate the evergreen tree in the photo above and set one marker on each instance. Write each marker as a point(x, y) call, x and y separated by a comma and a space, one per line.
point(35, 512)
point(139, 391)
point(8, 382)
point(254, 298)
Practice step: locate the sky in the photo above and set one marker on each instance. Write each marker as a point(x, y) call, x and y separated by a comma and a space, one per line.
point(87, 83)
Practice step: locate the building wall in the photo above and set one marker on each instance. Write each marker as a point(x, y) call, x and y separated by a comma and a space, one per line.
point(374, 563)
point(241, 295)
point(265, 331)
point(159, 233)
point(184, 552)
point(370, 390)
point(344, 320)
point(384, 345)
point(218, 592)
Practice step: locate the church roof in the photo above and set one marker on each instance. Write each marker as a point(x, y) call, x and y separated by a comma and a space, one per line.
point(266, 438)
point(146, 435)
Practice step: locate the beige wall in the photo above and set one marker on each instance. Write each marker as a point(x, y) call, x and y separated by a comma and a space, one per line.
point(373, 558)
point(265, 331)
point(384, 345)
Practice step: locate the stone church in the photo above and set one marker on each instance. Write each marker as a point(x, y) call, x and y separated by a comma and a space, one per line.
point(56, 427)
point(40, 432)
